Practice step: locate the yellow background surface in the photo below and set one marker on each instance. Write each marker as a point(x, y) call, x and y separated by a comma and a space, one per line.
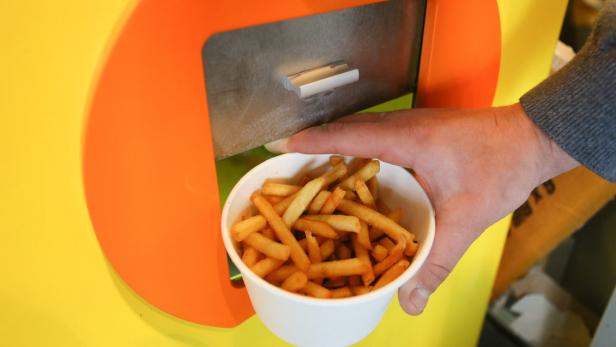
point(56, 288)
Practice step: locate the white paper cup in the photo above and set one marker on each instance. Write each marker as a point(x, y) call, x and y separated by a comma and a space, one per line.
point(307, 321)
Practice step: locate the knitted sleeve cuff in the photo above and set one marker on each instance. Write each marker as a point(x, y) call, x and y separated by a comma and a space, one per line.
point(576, 107)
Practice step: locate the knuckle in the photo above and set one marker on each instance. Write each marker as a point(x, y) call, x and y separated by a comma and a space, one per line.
point(335, 127)
point(435, 275)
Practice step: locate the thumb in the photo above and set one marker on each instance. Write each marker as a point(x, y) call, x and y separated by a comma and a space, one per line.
point(353, 136)
point(448, 248)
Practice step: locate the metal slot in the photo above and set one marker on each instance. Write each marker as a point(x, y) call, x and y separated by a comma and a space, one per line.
point(321, 79)
point(252, 100)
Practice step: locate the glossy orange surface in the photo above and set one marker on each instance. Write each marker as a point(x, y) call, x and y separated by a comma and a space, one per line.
point(149, 169)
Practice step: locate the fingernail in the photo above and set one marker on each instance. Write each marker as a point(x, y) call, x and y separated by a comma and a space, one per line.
point(278, 146)
point(419, 298)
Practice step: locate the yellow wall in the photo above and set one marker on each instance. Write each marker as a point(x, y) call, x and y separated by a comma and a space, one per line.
point(56, 288)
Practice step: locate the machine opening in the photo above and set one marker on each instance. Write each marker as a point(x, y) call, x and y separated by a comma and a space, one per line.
point(249, 99)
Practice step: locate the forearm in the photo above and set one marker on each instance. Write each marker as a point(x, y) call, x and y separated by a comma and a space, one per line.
point(576, 107)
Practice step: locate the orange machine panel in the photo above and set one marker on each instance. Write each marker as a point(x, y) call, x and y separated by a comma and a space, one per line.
point(149, 167)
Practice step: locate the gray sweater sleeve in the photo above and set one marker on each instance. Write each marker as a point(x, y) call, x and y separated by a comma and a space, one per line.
point(576, 106)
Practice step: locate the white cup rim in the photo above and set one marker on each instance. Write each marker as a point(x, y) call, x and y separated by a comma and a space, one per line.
point(418, 260)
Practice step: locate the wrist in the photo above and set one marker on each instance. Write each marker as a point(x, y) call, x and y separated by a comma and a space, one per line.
point(550, 159)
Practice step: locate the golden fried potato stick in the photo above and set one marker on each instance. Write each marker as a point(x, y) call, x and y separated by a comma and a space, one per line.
point(362, 253)
point(273, 199)
point(360, 290)
point(365, 173)
point(279, 189)
point(283, 233)
point(327, 249)
point(269, 233)
point(282, 273)
point(335, 160)
point(373, 185)
point(391, 274)
point(282, 206)
point(333, 200)
point(364, 194)
point(387, 243)
point(318, 202)
point(374, 218)
point(241, 230)
point(413, 249)
point(333, 175)
point(343, 252)
point(250, 256)
point(317, 291)
point(314, 251)
point(335, 282)
point(396, 253)
point(268, 247)
point(265, 266)
point(316, 227)
point(394, 215)
point(364, 235)
point(295, 282)
point(356, 280)
point(349, 195)
point(337, 268)
point(379, 252)
point(304, 245)
point(343, 292)
point(301, 201)
point(337, 221)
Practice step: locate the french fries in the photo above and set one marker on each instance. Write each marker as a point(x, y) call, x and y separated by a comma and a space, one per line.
point(364, 193)
point(343, 292)
point(317, 291)
point(281, 206)
point(379, 252)
point(396, 253)
point(301, 201)
point(316, 227)
point(295, 282)
point(338, 222)
point(250, 256)
point(365, 173)
point(335, 160)
point(282, 232)
point(387, 243)
point(327, 249)
point(265, 266)
point(333, 200)
point(336, 268)
point(269, 233)
point(374, 218)
point(328, 243)
point(281, 274)
point(279, 189)
point(362, 254)
point(392, 273)
point(343, 252)
point(268, 247)
point(363, 237)
point(318, 202)
point(373, 185)
point(394, 215)
point(314, 251)
point(241, 230)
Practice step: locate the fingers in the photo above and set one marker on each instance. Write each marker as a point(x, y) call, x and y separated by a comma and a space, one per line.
point(304, 141)
point(449, 246)
point(367, 117)
point(360, 139)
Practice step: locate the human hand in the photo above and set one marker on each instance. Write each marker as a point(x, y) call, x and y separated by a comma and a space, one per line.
point(477, 165)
